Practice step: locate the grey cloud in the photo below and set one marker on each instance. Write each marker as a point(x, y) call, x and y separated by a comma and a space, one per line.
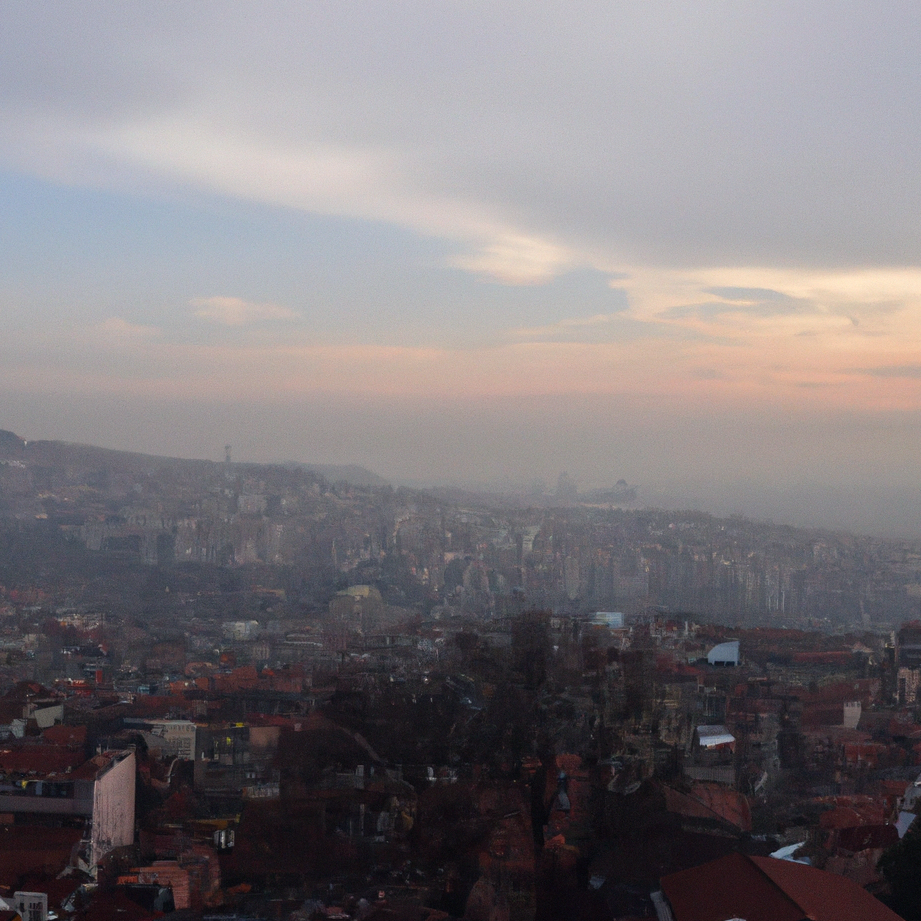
point(719, 134)
point(709, 374)
point(747, 295)
point(85, 64)
point(911, 372)
point(776, 306)
point(609, 328)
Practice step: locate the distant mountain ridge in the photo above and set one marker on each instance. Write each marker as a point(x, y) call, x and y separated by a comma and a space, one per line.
point(337, 473)
point(63, 453)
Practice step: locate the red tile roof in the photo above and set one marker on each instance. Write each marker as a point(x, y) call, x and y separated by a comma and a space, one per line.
point(25, 849)
point(765, 889)
point(730, 887)
point(65, 735)
point(688, 807)
point(40, 759)
point(824, 896)
point(114, 906)
point(728, 804)
point(868, 836)
point(847, 816)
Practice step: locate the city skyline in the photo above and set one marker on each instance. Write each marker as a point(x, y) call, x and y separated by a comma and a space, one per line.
point(476, 244)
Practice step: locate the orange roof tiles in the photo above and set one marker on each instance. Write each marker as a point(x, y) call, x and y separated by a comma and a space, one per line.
point(729, 805)
point(709, 805)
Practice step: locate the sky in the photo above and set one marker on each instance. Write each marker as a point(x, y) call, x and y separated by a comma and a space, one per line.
point(476, 242)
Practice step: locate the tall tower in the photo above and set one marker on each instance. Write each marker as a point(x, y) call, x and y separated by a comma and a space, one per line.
point(227, 455)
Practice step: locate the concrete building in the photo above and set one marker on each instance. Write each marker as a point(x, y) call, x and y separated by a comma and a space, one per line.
point(179, 736)
point(99, 793)
point(908, 645)
point(725, 654)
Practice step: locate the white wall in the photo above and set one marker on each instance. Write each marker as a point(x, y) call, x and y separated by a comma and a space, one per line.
point(113, 807)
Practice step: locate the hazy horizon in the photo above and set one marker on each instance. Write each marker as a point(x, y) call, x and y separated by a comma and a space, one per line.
point(672, 243)
point(866, 508)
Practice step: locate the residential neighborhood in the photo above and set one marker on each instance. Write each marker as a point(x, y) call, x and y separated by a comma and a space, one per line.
point(399, 733)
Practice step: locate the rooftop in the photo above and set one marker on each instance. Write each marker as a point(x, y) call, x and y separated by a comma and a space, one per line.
point(767, 889)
